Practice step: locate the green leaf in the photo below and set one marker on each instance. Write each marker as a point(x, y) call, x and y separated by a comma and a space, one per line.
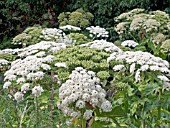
point(117, 111)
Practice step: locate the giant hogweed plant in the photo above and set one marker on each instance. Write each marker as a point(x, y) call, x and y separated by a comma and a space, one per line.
point(52, 84)
point(150, 30)
point(141, 85)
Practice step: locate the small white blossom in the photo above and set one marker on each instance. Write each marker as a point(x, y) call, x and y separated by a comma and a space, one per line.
point(70, 27)
point(19, 96)
point(132, 68)
point(129, 43)
point(61, 65)
point(25, 87)
point(163, 78)
point(21, 80)
point(37, 90)
point(80, 104)
point(6, 85)
point(137, 75)
point(98, 31)
point(87, 114)
point(106, 106)
point(118, 67)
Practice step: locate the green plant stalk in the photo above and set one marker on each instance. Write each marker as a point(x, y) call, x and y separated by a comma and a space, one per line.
point(51, 100)
point(36, 110)
point(83, 124)
point(23, 114)
point(143, 120)
point(16, 112)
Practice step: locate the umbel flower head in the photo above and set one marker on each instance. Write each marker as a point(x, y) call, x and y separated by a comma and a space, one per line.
point(82, 89)
point(98, 31)
point(37, 90)
point(103, 45)
point(141, 62)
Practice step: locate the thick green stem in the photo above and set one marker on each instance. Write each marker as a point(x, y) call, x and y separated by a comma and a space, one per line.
point(143, 120)
point(23, 114)
point(37, 112)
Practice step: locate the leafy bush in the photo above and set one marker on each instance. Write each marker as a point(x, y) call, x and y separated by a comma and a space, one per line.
point(105, 11)
point(78, 18)
point(30, 35)
point(16, 15)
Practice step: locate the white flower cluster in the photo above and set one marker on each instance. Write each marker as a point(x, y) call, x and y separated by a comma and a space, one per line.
point(121, 27)
point(61, 65)
point(98, 31)
point(103, 45)
point(129, 43)
point(128, 15)
point(137, 20)
point(70, 27)
point(82, 89)
point(10, 51)
point(36, 91)
point(141, 61)
point(41, 47)
point(3, 63)
point(28, 68)
point(56, 35)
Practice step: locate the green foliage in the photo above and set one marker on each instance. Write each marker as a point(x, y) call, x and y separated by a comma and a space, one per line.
point(29, 36)
point(16, 15)
point(78, 18)
point(88, 58)
point(166, 45)
point(79, 38)
point(105, 11)
point(6, 56)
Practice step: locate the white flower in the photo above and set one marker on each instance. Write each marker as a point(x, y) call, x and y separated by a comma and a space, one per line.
point(69, 123)
point(87, 114)
point(129, 43)
point(61, 65)
point(45, 66)
point(103, 45)
point(80, 104)
point(19, 96)
point(75, 114)
point(6, 85)
point(118, 67)
point(144, 67)
point(163, 78)
point(81, 88)
point(137, 75)
point(70, 27)
point(37, 90)
point(20, 80)
point(49, 58)
point(132, 68)
point(25, 87)
point(106, 106)
point(98, 31)
point(40, 54)
point(154, 68)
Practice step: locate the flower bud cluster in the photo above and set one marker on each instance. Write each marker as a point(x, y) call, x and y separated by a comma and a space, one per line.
point(81, 90)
